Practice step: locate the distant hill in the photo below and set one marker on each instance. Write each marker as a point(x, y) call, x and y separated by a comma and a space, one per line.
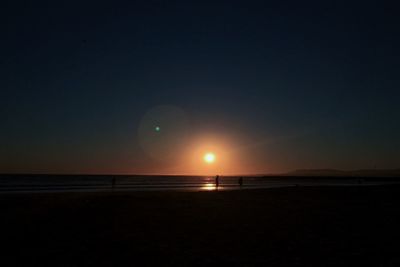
point(339, 173)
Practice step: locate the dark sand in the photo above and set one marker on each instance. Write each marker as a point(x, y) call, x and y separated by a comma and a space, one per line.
point(314, 226)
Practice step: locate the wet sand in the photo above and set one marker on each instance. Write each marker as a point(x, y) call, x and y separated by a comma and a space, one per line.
point(305, 226)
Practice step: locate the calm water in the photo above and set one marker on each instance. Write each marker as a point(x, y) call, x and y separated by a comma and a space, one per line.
point(51, 183)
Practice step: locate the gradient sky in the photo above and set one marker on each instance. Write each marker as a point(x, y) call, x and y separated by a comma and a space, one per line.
point(269, 86)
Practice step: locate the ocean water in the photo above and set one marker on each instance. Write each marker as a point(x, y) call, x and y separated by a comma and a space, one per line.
point(52, 183)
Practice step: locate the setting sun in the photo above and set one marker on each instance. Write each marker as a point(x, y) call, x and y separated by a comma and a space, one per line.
point(209, 157)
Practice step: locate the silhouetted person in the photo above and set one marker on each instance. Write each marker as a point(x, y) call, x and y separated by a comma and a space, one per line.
point(217, 181)
point(113, 182)
point(240, 181)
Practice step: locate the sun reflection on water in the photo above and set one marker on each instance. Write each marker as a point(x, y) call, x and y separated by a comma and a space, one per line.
point(209, 187)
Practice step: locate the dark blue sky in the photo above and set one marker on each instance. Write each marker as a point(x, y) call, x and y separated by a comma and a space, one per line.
point(282, 84)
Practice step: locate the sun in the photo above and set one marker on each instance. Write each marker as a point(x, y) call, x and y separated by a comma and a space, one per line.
point(209, 157)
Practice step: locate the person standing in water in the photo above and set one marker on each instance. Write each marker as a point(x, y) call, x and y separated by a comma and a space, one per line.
point(217, 181)
point(240, 181)
point(113, 181)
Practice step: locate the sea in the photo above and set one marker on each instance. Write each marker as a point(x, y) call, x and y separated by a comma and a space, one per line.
point(25, 183)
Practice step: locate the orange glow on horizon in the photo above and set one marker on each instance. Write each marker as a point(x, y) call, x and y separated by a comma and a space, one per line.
point(202, 154)
point(209, 155)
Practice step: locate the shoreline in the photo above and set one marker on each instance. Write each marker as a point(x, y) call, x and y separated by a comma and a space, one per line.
point(172, 188)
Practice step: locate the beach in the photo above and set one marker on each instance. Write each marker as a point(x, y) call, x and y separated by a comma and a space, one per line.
point(293, 226)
